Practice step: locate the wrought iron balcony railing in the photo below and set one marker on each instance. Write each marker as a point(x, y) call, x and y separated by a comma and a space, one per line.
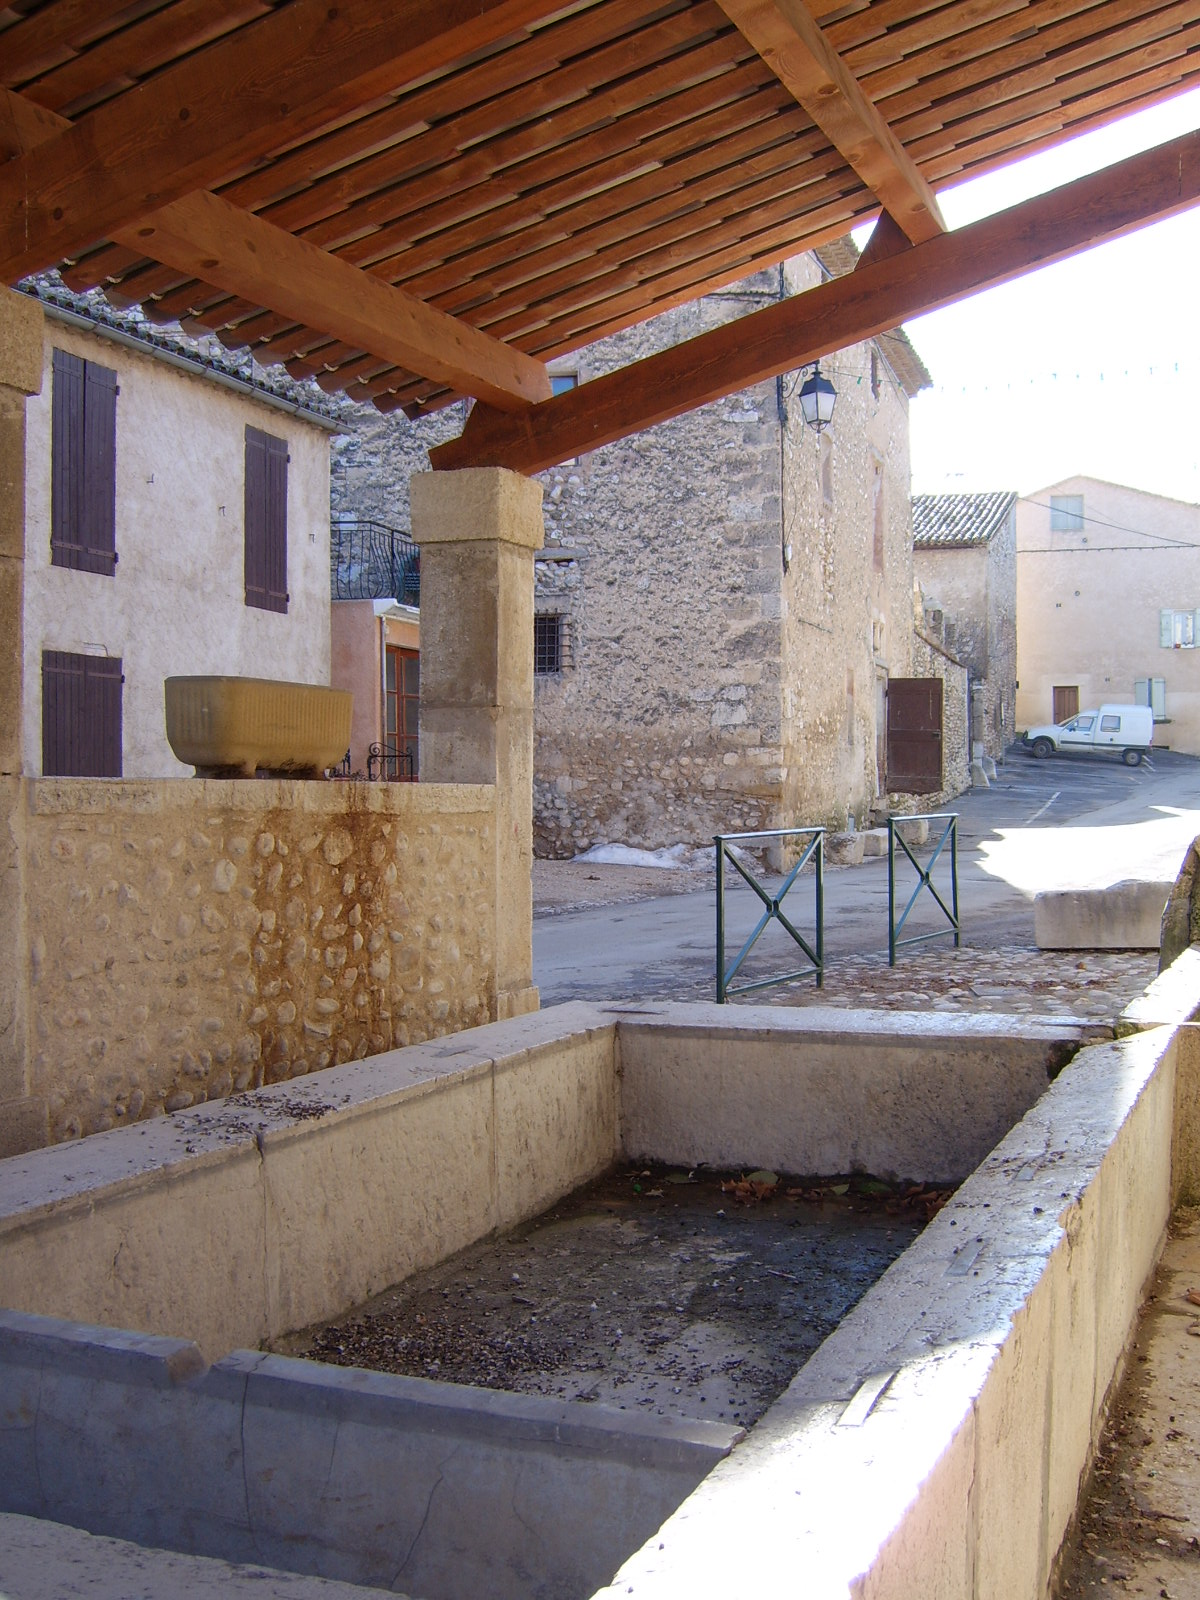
point(369, 561)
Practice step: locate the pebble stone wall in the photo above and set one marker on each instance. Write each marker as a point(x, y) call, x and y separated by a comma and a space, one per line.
point(190, 939)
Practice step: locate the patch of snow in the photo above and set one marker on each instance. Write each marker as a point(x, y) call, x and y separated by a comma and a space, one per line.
point(678, 857)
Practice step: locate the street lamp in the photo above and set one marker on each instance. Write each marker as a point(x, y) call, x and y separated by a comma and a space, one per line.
point(817, 397)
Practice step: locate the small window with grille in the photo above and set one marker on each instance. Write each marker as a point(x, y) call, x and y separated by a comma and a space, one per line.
point(547, 644)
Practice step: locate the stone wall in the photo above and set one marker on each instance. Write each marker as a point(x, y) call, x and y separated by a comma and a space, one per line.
point(847, 589)
point(193, 938)
point(733, 595)
point(975, 588)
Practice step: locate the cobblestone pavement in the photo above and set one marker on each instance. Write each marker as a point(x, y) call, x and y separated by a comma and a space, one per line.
point(1093, 985)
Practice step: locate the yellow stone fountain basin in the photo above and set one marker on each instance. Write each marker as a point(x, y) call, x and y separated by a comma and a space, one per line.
point(240, 726)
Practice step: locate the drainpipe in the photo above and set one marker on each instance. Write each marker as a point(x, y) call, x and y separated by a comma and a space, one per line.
point(383, 690)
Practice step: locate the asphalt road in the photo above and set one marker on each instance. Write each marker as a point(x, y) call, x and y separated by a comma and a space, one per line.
point(1065, 822)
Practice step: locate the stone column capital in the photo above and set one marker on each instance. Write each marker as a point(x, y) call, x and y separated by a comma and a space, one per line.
point(477, 505)
point(21, 323)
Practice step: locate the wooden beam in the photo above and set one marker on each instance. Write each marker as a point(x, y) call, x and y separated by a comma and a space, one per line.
point(792, 44)
point(887, 239)
point(869, 301)
point(210, 239)
point(300, 68)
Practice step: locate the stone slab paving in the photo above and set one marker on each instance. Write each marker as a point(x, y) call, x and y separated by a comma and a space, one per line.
point(48, 1561)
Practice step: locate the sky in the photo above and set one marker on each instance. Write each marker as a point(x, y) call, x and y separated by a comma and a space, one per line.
point(1091, 366)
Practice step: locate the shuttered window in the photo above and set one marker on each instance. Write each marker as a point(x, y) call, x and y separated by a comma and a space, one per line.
point(81, 715)
point(83, 484)
point(266, 521)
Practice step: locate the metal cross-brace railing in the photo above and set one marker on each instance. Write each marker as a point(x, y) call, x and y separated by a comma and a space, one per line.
point(925, 881)
point(814, 851)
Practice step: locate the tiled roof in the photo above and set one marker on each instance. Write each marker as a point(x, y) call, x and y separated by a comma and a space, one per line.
point(954, 521)
point(837, 258)
point(205, 354)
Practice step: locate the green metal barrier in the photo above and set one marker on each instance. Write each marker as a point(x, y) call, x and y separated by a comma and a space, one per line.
point(924, 881)
point(814, 851)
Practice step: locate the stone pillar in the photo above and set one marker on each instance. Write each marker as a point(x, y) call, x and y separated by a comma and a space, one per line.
point(478, 530)
point(22, 1120)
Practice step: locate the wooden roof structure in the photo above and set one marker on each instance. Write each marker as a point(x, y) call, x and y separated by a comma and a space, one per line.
point(424, 199)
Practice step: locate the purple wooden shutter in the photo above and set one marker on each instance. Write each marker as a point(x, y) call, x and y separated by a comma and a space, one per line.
point(81, 715)
point(83, 485)
point(266, 521)
point(98, 524)
point(66, 481)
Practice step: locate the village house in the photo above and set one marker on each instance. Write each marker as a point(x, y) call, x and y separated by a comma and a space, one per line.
point(965, 560)
point(177, 523)
point(1108, 606)
point(721, 601)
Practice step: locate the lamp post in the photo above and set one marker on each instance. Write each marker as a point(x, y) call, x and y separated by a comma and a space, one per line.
point(817, 398)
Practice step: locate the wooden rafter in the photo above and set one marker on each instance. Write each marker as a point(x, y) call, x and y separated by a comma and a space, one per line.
point(786, 36)
point(200, 121)
point(205, 236)
point(1142, 189)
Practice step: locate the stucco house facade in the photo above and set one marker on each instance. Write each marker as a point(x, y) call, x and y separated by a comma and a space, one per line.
point(721, 600)
point(177, 521)
point(965, 561)
point(1108, 605)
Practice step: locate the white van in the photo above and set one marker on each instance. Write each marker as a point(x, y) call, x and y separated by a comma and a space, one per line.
point(1129, 729)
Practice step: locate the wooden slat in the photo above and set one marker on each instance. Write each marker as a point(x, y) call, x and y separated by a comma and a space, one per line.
point(432, 175)
point(398, 122)
point(793, 46)
point(1005, 77)
point(1155, 184)
point(248, 256)
point(633, 303)
point(196, 123)
point(245, 255)
point(615, 183)
point(54, 34)
point(524, 164)
point(125, 57)
point(1015, 122)
point(671, 188)
point(528, 120)
point(690, 138)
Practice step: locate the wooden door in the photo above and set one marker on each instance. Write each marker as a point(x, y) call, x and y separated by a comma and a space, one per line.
point(1066, 702)
point(914, 735)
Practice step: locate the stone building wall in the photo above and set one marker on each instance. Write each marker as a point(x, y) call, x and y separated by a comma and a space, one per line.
point(975, 588)
point(189, 939)
point(1091, 604)
point(732, 595)
point(175, 602)
point(847, 592)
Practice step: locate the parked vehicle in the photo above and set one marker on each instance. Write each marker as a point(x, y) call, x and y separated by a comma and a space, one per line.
point(1128, 729)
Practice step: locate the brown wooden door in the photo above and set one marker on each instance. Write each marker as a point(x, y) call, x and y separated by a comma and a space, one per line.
point(1066, 702)
point(914, 735)
point(401, 750)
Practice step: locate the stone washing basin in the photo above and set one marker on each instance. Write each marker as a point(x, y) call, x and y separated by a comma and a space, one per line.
point(234, 727)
